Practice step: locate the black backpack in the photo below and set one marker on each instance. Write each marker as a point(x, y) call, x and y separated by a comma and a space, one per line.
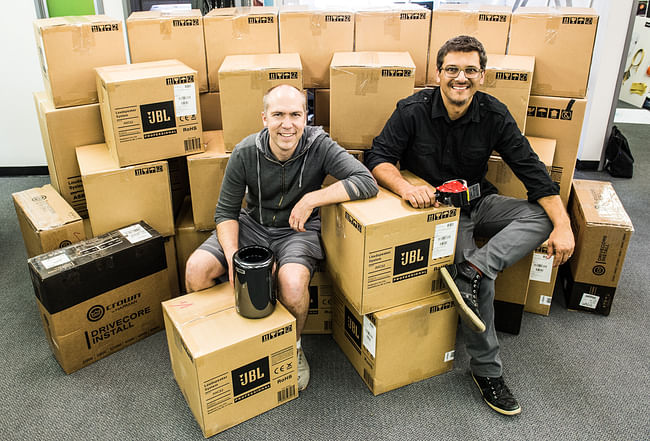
point(618, 157)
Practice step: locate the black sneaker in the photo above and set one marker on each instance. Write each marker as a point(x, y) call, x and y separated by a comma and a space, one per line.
point(497, 395)
point(463, 282)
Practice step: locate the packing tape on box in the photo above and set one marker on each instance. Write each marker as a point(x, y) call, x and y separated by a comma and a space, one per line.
point(35, 205)
point(470, 22)
point(82, 37)
point(259, 80)
point(393, 26)
point(240, 26)
point(166, 28)
point(552, 30)
point(366, 81)
point(317, 24)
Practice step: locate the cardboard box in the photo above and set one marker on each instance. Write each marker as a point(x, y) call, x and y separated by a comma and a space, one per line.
point(164, 35)
point(172, 270)
point(397, 28)
point(560, 119)
point(511, 288)
point(602, 231)
point(98, 296)
point(316, 35)
point(187, 238)
point(508, 78)
point(121, 196)
point(502, 177)
point(541, 282)
point(244, 79)
point(150, 111)
point(46, 220)
point(322, 107)
point(319, 318)
point(489, 24)
point(387, 253)
point(365, 88)
point(228, 367)
point(62, 131)
point(211, 111)
point(562, 42)
point(70, 48)
point(400, 345)
point(206, 172)
point(238, 31)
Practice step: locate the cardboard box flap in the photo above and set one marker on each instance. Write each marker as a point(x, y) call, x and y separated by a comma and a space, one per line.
point(553, 12)
point(45, 208)
point(214, 146)
point(372, 59)
point(600, 204)
point(393, 7)
point(162, 15)
point(298, 9)
point(242, 11)
point(212, 312)
point(519, 63)
point(48, 23)
point(138, 71)
point(386, 206)
point(261, 62)
point(475, 8)
point(95, 158)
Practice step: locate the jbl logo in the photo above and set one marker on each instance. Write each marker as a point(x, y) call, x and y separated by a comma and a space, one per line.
point(352, 329)
point(411, 256)
point(157, 116)
point(250, 376)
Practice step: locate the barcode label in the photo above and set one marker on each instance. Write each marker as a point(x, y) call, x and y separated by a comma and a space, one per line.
point(286, 393)
point(192, 144)
point(185, 99)
point(436, 285)
point(327, 325)
point(444, 240)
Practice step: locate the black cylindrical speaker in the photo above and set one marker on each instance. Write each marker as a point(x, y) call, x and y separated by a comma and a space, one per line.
point(254, 287)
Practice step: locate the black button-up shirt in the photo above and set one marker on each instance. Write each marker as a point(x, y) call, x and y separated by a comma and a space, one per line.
point(420, 135)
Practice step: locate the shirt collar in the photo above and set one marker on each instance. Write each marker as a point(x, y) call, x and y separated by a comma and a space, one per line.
point(438, 109)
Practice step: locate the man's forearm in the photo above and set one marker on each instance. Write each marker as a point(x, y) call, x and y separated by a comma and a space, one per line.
point(555, 211)
point(388, 176)
point(228, 235)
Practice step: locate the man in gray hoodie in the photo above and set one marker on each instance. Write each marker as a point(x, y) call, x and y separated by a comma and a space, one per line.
point(283, 168)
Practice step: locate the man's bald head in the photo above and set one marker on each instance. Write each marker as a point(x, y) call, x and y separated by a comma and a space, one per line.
point(284, 90)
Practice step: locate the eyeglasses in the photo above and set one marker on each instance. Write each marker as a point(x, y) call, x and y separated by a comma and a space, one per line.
point(454, 71)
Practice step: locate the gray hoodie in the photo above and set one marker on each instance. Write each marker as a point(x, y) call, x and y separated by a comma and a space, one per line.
point(274, 187)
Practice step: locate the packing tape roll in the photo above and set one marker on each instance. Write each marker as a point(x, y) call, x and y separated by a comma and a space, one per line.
point(392, 25)
point(240, 27)
point(166, 28)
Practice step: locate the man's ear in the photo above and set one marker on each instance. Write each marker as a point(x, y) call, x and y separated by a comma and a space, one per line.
point(264, 118)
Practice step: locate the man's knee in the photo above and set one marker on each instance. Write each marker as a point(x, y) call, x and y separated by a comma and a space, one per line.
point(293, 281)
point(201, 270)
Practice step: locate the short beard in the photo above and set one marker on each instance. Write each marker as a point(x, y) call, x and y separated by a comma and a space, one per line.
point(458, 103)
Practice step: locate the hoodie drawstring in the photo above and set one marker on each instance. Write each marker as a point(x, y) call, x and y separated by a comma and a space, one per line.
point(259, 186)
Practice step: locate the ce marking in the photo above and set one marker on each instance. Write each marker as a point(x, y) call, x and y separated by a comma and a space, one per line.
point(282, 369)
point(188, 118)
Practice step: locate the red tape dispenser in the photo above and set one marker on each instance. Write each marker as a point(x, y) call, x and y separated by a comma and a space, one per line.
point(456, 193)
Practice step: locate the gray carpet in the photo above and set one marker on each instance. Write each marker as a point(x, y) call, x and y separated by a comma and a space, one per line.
point(578, 376)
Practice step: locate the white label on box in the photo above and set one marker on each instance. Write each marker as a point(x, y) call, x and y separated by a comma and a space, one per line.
point(369, 336)
point(449, 355)
point(185, 99)
point(444, 240)
point(57, 260)
point(135, 233)
point(589, 301)
point(541, 268)
point(545, 300)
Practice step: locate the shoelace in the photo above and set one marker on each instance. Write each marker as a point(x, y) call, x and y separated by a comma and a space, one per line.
point(497, 386)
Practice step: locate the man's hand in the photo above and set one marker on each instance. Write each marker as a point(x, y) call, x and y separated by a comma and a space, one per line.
point(560, 245)
point(419, 196)
point(301, 212)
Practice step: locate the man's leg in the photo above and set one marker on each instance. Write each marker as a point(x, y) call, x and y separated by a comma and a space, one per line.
point(203, 267)
point(293, 292)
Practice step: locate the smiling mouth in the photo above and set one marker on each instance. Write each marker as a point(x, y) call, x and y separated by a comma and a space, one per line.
point(460, 87)
point(286, 135)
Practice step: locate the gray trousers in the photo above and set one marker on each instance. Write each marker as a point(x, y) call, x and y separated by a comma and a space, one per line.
point(515, 228)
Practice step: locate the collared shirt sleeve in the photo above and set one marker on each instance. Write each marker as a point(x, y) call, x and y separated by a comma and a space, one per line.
point(392, 141)
point(516, 151)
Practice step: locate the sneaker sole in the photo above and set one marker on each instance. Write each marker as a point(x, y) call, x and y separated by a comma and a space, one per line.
point(465, 312)
point(517, 411)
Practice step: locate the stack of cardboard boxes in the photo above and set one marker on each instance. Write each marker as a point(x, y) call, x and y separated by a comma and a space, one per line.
point(150, 141)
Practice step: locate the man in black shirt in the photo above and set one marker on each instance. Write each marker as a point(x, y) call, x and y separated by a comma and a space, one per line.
point(448, 133)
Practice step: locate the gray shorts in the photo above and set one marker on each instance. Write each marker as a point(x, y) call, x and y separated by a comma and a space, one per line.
point(288, 245)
